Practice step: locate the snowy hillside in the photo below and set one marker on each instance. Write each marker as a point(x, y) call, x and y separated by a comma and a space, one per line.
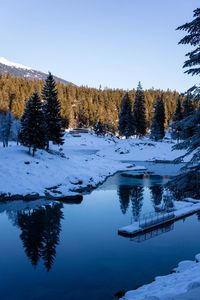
point(19, 70)
point(85, 162)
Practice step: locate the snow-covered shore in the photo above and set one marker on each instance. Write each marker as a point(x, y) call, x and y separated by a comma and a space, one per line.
point(183, 283)
point(86, 161)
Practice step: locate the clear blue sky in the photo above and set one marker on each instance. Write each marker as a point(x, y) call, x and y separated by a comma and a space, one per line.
point(114, 43)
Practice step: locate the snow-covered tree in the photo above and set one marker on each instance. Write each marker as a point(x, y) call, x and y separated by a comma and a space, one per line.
point(188, 182)
point(158, 122)
point(52, 112)
point(192, 38)
point(139, 112)
point(33, 126)
point(126, 122)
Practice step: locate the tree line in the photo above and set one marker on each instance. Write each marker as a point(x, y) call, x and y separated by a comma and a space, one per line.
point(133, 116)
point(81, 106)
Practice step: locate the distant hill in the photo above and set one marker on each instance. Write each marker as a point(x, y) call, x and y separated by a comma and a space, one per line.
point(15, 69)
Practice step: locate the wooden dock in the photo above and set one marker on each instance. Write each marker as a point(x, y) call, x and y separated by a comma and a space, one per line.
point(151, 222)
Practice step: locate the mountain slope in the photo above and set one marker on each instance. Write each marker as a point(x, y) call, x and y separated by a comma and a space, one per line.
point(15, 69)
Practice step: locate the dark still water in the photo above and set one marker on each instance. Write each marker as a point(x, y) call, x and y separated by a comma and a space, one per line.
point(74, 252)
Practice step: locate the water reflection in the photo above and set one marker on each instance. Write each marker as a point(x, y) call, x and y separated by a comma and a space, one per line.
point(153, 233)
point(92, 261)
point(137, 201)
point(156, 194)
point(40, 230)
point(124, 193)
point(133, 195)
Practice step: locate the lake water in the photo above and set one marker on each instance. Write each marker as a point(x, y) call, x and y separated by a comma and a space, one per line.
point(74, 252)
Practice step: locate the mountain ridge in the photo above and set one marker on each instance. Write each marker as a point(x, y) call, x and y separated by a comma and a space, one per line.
point(19, 70)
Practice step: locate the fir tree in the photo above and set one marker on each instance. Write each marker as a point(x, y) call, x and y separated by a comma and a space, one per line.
point(52, 112)
point(8, 118)
point(158, 123)
point(187, 183)
point(178, 115)
point(139, 112)
point(192, 38)
point(188, 106)
point(126, 123)
point(33, 127)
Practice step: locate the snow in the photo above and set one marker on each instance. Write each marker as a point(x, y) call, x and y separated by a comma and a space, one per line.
point(85, 161)
point(183, 283)
point(6, 62)
point(139, 168)
point(142, 149)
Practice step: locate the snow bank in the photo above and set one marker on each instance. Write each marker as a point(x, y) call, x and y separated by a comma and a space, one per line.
point(142, 149)
point(186, 277)
point(85, 162)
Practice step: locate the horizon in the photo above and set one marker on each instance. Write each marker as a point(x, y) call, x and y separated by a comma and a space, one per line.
point(101, 44)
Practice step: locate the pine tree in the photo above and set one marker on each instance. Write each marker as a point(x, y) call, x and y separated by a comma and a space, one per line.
point(187, 183)
point(178, 115)
point(33, 127)
point(126, 123)
point(52, 112)
point(158, 123)
point(6, 125)
point(139, 112)
point(192, 38)
point(188, 106)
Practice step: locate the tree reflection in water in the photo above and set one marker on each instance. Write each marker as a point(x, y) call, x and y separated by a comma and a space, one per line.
point(137, 201)
point(40, 231)
point(156, 194)
point(124, 197)
point(133, 194)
